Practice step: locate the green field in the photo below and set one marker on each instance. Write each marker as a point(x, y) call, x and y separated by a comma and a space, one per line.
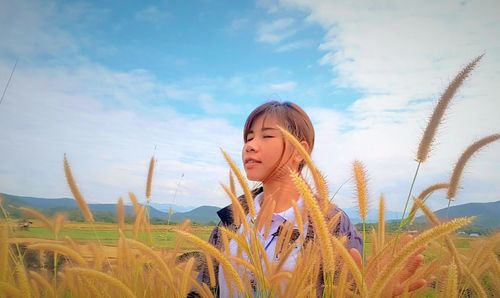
point(163, 236)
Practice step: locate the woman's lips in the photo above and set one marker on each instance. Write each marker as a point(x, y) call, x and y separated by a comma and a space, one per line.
point(250, 162)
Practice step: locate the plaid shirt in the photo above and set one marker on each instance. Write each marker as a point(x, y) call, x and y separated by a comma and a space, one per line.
point(344, 227)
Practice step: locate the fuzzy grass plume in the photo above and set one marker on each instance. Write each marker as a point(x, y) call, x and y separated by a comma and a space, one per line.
point(441, 106)
point(80, 200)
point(466, 155)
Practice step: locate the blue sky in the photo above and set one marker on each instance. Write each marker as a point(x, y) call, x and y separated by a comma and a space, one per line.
point(107, 82)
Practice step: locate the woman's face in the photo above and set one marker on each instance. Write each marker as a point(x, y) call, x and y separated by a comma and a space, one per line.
point(263, 149)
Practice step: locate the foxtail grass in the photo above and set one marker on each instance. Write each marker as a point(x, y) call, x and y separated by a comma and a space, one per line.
point(105, 279)
point(80, 200)
point(394, 266)
point(432, 126)
point(120, 214)
point(243, 184)
point(319, 180)
point(466, 155)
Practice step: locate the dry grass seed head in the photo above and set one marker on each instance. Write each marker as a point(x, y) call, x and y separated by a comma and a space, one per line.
point(319, 180)
point(62, 249)
point(318, 219)
point(104, 278)
point(361, 188)
point(82, 204)
point(466, 155)
point(243, 184)
point(59, 220)
point(22, 281)
point(237, 208)
point(9, 290)
point(44, 284)
point(439, 110)
point(381, 221)
point(120, 214)
point(135, 203)
point(149, 182)
point(409, 249)
point(219, 256)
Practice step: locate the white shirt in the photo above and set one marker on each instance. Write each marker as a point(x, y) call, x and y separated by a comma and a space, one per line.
point(277, 220)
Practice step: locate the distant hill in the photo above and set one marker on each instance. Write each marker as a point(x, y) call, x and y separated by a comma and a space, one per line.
point(203, 214)
point(102, 212)
point(487, 214)
point(175, 208)
point(372, 216)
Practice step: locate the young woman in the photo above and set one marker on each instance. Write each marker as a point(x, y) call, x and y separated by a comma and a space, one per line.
point(268, 158)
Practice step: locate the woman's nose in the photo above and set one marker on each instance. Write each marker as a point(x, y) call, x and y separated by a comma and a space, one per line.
point(250, 146)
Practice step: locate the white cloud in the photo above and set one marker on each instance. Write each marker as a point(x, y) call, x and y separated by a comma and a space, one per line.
point(294, 45)
point(108, 146)
point(26, 30)
point(401, 56)
point(284, 86)
point(276, 31)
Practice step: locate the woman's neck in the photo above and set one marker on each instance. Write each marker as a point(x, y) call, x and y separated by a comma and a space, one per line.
point(283, 191)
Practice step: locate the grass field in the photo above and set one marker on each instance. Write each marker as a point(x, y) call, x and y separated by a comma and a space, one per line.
point(163, 235)
point(107, 233)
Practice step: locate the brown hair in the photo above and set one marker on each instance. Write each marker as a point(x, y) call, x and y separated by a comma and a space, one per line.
point(292, 118)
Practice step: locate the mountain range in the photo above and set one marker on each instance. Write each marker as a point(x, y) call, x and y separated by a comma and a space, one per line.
point(487, 213)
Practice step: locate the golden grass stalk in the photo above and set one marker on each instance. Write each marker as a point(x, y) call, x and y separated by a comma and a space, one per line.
point(62, 249)
point(319, 223)
point(34, 289)
point(409, 249)
point(153, 256)
point(466, 155)
point(38, 215)
point(451, 288)
point(149, 182)
point(298, 218)
point(361, 188)
point(120, 214)
point(439, 110)
point(58, 223)
point(423, 197)
point(263, 220)
point(275, 279)
point(80, 200)
point(49, 291)
point(319, 180)
point(139, 221)
point(135, 203)
point(211, 272)
point(239, 238)
point(381, 221)
point(426, 192)
point(22, 281)
point(4, 252)
point(243, 263)
point(232, 186)
point(350, 264)
point(105, 279)
point(243, 184)
point(184, 286)
point(9, 290)
point(476, 284)
point(237, 209)
point(219, 256)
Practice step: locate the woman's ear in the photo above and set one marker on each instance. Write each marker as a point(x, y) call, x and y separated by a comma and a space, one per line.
point(297, 157)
